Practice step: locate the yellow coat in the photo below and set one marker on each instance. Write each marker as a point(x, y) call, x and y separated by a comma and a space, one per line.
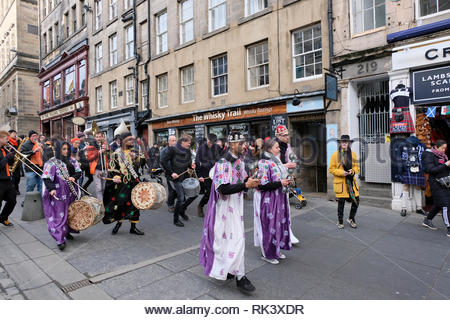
point(337, 170)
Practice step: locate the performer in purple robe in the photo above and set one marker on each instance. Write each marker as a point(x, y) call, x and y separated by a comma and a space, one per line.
point(223, 240)
point(271, 205)
point(60, 173)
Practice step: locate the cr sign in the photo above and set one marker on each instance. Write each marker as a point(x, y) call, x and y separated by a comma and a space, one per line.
point(433, 53)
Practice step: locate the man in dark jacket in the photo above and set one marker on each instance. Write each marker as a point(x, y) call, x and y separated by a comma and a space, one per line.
point(207, 156)
point(7, 190)
point(176, 162)
point(154, 157)
point(34, 150)
point(172, 141)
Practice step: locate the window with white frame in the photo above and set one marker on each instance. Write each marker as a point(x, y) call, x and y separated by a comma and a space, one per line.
point(163, 90)
point(99, 98)
point(129, 89)
point(98, 14)
point(128, 4)
point(217, 14)
point(144, 90)
point(113, 50)
point(186, 21)
point(161, 32)
point(98, 58)
point(112, 9)
point(113, 94)
point(428, 7)
point(129, 42)
point(187, 84)
point(219, 75)
point(258, 65)
point(254, 6)
point(307, 52)
point(368, 15)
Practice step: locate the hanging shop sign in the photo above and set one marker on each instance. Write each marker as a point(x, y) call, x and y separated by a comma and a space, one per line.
point(58, 112)
point(222, 115)
point(431, 85)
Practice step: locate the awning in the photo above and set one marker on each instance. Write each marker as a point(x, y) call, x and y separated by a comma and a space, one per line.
point(419, 31)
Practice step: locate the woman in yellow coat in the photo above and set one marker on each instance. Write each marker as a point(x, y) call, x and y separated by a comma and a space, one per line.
point(344, 166)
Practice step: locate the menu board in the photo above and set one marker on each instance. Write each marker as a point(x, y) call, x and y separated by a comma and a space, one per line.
point(277, 120)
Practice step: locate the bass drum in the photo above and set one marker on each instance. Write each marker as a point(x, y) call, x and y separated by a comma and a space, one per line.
point(85, 213)
point(148, 195)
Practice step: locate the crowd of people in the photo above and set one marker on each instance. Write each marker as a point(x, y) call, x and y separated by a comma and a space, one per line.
point(226, 170)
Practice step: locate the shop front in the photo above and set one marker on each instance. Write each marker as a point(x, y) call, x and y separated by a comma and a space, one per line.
point(64, 87)
point(424, 68)
point(109, 121)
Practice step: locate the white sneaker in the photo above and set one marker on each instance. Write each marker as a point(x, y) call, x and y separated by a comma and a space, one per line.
point(282, 256)
point(272, 261)
point(294, 239)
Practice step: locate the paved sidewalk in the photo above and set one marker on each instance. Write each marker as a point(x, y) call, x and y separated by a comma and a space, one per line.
point(386, 257)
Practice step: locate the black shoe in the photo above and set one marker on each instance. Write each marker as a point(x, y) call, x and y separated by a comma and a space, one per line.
point(21, 204)
point(184, 216)
point(421, 211)
point(69, 236)
point(245, 285)
point(61, 246)
point(6, 223)
point(116, 228)
point(230, 276)
point(403, 213)
point(178, 223)
point(135, 230)
point(73, 231)
point(427, 223)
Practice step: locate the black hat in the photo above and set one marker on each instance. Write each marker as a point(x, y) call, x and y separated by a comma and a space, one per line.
point(12, 130)
point(31, 132)
point(345, 138)
point(125, 135)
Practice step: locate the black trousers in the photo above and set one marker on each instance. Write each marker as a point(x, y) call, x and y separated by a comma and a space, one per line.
point(445, 214)
point(341, 204)
point(182, 201)
point(172, 193)
point(8, 194)
point(207, 187)
point(90, 178)
point(16, 179)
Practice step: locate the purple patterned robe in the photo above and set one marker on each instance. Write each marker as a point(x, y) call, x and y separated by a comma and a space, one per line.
point(223, 239)
point(55, 211)
point(271, 217)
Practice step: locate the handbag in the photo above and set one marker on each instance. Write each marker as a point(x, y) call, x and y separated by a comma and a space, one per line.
point(444, 181)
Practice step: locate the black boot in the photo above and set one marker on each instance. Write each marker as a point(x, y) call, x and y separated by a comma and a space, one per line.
point(135, 230)
point(61, 246)
point(117, 227)
point(69, 237)
point(245, 285)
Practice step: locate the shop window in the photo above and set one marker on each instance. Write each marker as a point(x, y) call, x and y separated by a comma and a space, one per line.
point(161, 137)
point(69, 80)
point(220, 131)
point(219, 75)
point(161, 33)
point(217, 14)
point(258, 65)
point(46, 94)
point(307, 52)
point(57, 89)
point(186, 21)
point(82, 78)
point(368, 15)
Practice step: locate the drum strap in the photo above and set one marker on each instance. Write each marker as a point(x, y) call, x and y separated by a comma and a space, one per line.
point(128, 165)
point(66, 177)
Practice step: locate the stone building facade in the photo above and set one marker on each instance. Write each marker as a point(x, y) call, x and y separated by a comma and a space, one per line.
point(19, 63)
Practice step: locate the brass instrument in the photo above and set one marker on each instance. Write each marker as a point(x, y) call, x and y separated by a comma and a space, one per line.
point(17, 156)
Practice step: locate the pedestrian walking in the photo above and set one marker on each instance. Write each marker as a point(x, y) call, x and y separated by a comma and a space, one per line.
point(172, 194)
point(344, 166)
point(437, 165)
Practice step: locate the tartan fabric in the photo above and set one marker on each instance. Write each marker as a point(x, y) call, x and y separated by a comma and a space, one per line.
point(415, 179)
point(404, 126)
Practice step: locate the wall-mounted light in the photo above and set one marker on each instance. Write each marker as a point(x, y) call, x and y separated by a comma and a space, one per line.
point(296, 100)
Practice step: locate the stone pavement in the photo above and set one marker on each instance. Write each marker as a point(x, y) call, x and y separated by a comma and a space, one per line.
point(386, 257)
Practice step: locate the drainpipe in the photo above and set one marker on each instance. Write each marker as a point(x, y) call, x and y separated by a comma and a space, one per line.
point(330, 31)
point(149, 55)
point(136, 68)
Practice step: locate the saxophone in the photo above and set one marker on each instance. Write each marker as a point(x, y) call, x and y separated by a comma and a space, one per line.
point(17, 157)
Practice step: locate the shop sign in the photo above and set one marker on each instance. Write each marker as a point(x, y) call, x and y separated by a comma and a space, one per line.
point(278, 120)
point(431, 85)
point(222, 115)
point(422, 54)
point(58, 112)
point(307, 104)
